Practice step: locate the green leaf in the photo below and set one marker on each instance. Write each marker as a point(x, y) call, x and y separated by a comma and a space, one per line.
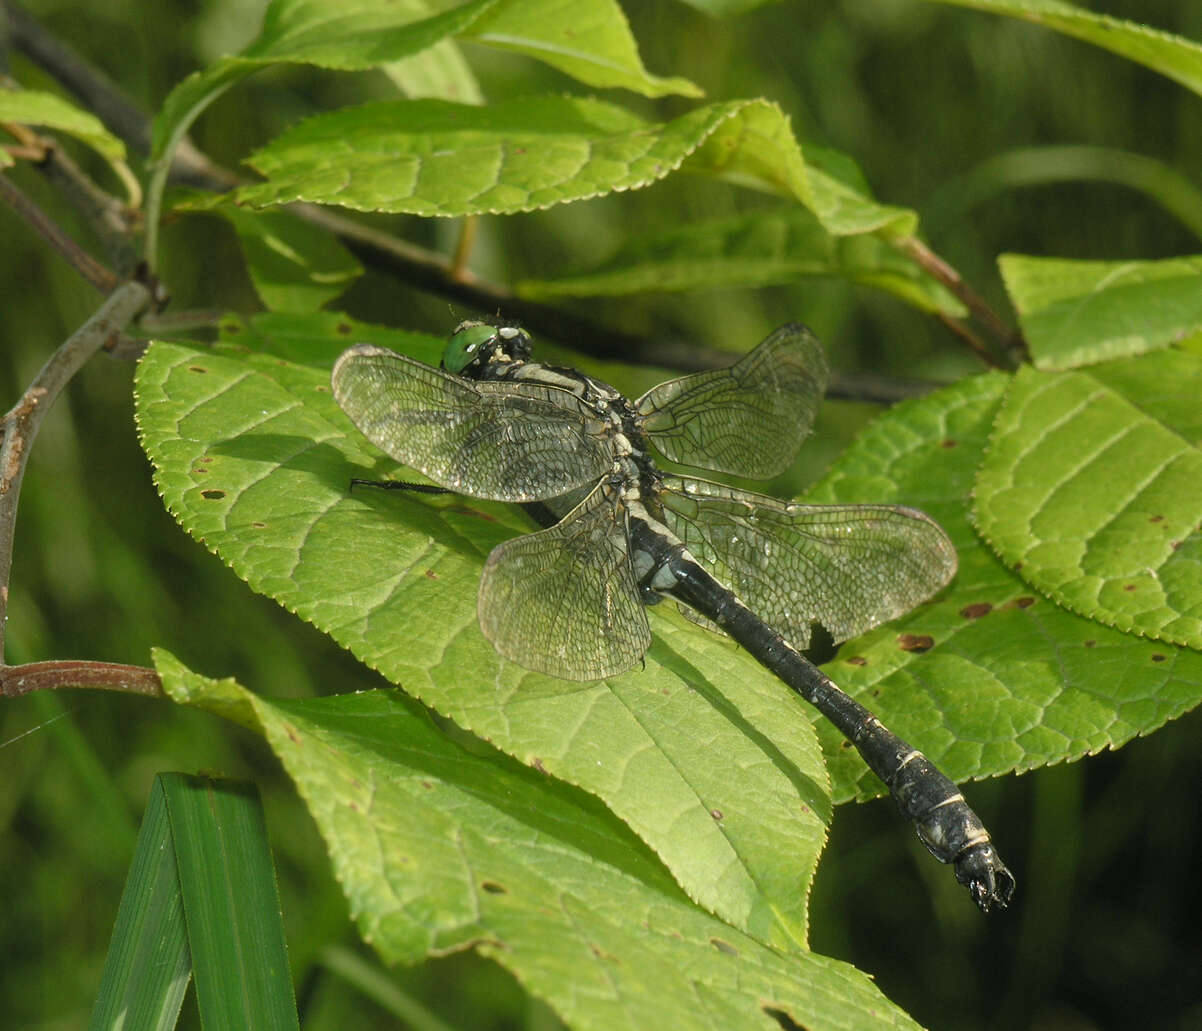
point(1080, 312)
point(148, 966)
point(1094, 492)
point(589, 40)
point(347, 36)
point(1174, 56)
point(727, 8)
point(436, 158)
point(294, 265)
point(439, 71)
point(441, 846)
point(1008, 680)
point(253, 457)
point(759, 249)
point(32, 107)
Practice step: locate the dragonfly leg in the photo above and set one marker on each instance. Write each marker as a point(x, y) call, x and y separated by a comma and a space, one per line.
point(416, 488)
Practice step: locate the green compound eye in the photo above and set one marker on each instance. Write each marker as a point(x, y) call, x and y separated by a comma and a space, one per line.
point(464, 345)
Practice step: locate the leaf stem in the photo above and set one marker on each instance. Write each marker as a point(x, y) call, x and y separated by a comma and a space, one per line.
point(1009, 344)
point(20, 424)
point(53, 675)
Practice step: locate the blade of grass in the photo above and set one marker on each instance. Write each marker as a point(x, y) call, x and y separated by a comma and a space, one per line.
point(148, 966)
point(231, 904)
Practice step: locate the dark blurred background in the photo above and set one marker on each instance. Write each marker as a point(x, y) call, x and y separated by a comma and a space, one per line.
point(947, 111)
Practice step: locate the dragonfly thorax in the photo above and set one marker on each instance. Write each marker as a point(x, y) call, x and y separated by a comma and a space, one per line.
point(481, 343)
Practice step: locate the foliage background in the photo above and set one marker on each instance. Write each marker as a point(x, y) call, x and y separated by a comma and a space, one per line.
point(1104, 932)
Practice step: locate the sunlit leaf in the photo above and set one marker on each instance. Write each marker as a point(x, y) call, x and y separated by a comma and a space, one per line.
point(1007, 679)
point(254, 458)
point(437, 158)
point(1090, 487)
point(1079, 312)
point(33, 107)
point(441, 847)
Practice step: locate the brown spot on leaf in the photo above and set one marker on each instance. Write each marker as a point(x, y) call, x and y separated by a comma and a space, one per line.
point(197, 368)
point(1174, 545)
point(915, 642)
point(537, 763)
point(493, 888)
point(1025, 602)
point(716, 814)
point(976, 610)
point(857, 660)
point(786, 1022)
point(723, 946)
point(431, 575)
point(949, 443)
point(1157, 657)
point(1156, 519)
point(1128, 587)
point(212, 495)
point(258, 526)
point(343, 327)
point(1091, 643)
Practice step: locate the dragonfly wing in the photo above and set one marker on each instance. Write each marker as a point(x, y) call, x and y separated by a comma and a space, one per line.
point(504, 441)
point(749, 419)
point(564, 601)
point(847, 567)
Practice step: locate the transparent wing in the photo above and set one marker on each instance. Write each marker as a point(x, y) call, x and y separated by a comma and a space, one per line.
point(504, 441)
point(749, 419)
point(563, 601)
point(847, 567)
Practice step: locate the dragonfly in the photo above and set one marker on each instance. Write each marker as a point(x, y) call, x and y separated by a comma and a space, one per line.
point(619, 533)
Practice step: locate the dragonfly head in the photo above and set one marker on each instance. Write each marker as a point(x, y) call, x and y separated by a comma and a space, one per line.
point(481, 342)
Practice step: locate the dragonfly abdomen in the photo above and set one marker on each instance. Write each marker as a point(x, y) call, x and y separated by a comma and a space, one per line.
point(944, 821)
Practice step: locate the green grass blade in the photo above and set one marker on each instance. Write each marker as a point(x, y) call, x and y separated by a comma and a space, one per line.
point(231, 904)
point(148, 968)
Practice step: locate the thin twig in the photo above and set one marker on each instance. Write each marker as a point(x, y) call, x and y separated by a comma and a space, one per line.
point(79, 259)
point(975, 344)
point(112, 220)
point(873, 389)
point(103, 97)
point(20, 425)
point(50, 676)
point(1006, 338)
